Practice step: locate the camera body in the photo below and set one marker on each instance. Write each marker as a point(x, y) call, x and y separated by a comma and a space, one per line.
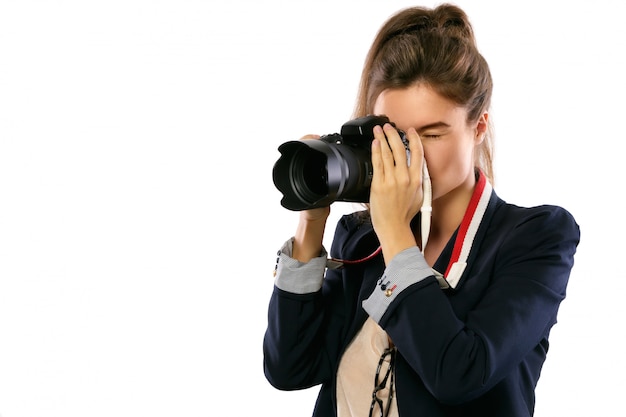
point(337, 167)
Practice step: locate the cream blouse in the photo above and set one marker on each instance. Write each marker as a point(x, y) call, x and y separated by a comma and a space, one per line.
point(357, 371)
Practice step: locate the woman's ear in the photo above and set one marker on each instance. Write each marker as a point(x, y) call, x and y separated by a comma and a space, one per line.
point(481, 128)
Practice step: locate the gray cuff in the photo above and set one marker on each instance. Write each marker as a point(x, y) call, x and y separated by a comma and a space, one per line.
point(405, 269)
point(298, 277)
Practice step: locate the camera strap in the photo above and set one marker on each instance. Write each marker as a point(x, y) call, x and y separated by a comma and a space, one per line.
point(427, 206)
point(467, 232)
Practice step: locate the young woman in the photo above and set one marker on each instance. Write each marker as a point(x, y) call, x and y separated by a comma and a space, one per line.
point(446, 319)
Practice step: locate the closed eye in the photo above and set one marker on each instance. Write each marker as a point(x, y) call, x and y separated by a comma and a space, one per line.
point(430, 136)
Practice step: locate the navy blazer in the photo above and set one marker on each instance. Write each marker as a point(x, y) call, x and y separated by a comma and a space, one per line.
point(473, 350)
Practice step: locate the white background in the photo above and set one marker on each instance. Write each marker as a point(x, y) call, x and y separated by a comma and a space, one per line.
point(138, 218)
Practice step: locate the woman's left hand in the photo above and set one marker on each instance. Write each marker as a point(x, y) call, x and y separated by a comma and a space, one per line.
point(396, 193)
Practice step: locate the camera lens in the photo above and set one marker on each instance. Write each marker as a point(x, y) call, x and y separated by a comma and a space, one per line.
point(309, 174)
point(301, 174)
point(314, 173)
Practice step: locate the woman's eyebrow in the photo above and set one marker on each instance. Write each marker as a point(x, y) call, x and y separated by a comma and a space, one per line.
point(433, 126)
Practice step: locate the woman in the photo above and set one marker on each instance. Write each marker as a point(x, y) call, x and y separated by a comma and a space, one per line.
point(450, 319)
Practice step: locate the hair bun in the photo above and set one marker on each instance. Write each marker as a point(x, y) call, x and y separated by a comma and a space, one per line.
point(446, 19)
point(454, 21)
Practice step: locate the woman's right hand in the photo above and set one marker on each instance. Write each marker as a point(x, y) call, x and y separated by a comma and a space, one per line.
point(396, 192)
point(310, 232)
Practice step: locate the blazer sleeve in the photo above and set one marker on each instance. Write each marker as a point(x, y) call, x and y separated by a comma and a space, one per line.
point(459, 360)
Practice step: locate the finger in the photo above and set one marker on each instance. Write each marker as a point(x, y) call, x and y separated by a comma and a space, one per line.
point(385, 151)
point(311, 136)
point(417, 153)
point(377, 159)
point(377, 162)
point(396, 145)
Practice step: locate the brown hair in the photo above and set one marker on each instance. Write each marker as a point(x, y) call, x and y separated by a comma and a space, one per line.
point(435, 47)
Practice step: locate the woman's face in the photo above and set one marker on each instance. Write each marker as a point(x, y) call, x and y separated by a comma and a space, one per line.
point(447, 138)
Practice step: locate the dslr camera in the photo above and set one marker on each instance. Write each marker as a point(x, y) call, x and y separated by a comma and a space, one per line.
point(338, 167)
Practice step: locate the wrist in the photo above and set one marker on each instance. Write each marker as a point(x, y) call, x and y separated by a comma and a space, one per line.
point(308, 239)
point(396, 243)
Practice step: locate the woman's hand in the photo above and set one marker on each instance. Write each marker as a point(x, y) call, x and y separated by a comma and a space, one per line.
point(396, 192)
point(310, 232)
